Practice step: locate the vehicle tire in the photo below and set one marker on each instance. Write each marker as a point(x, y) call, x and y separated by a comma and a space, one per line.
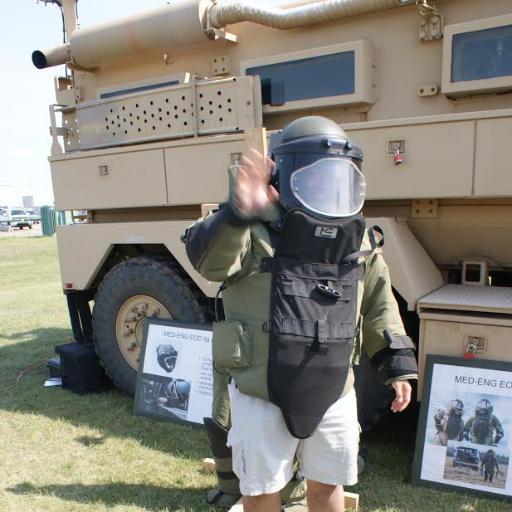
point(131, 291)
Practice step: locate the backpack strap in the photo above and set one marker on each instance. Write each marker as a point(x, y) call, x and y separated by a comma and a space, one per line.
point(376, 246)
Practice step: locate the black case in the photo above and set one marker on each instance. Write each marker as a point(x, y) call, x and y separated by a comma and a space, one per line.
point(80, 369)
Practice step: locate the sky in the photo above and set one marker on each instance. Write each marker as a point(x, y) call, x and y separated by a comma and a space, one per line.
point(26, 92)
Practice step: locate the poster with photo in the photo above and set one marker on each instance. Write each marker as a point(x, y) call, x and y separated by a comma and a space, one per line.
point(464, 433)
point(175, 379)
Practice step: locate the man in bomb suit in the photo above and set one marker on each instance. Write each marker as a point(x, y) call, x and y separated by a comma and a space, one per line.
point(449, 424)
point(304, 287)
point(483, 427)
point(489, 466)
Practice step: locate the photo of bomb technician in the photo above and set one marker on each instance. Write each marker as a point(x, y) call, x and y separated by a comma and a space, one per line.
point(449, 423)
point(483, 427)
point(174, 382)
point(465, 427)
point(164, 397)
point(476, 464)
point(469, 417)
point(167, 357)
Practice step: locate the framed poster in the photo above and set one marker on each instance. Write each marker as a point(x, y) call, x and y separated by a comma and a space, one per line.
point(464, 432)
point(175, 378)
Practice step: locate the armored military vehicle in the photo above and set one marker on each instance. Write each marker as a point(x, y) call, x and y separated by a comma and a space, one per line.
point(152, 109)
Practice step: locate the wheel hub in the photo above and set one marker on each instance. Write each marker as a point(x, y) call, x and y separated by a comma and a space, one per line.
point(130, 324)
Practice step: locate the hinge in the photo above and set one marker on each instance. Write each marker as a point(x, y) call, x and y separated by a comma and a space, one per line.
point(432, 23)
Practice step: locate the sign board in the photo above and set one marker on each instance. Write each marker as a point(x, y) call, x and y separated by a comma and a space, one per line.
point(464, 434)
point(175, 378)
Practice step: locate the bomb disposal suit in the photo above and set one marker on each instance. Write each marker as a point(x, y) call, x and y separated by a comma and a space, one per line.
point(484, 427)
point(449, 424)
point(305, 284)
point(489, 466)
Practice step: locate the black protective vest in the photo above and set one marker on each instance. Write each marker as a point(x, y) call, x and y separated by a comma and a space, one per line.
point(313, 308)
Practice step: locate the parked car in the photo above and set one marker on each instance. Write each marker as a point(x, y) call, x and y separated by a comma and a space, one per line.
point(33, 216)
point(19, 218)
point(467, 457)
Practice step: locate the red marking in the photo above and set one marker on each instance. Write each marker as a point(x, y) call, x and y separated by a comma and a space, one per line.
point(133, 41)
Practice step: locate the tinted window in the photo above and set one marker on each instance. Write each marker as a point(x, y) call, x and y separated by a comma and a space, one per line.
point(314, 77)
point(482, 54)
point(18, 212)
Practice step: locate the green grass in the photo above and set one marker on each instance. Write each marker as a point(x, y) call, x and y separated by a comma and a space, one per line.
point(63, 452)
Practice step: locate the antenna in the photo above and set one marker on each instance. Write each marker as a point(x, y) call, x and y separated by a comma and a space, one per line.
point(69, 14)
point(59, 4)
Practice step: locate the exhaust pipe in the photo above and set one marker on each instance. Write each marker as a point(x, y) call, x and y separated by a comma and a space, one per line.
point(51, 56)
point(160, 30)
point(187, 23)
point(221, 15)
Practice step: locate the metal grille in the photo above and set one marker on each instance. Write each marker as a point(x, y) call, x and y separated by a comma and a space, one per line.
point(200, 108)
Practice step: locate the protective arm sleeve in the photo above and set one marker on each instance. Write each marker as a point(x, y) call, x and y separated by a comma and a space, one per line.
point(499, 430)
point(217, 243)
point(390, 350)
point(438, 418)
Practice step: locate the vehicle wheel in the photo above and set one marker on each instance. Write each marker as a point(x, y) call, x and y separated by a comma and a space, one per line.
point(133, 290)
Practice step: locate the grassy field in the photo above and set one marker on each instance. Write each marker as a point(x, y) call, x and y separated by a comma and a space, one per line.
point(62, 452)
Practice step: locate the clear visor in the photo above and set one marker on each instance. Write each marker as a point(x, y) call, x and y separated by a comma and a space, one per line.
point(333, 187)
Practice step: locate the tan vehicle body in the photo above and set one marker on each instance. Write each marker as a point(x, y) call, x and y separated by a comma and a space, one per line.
point(448, 202)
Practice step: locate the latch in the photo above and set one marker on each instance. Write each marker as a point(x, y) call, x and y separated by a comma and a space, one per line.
point(103, 170)
point(474, 345)
point(236, 158)
point(397, 149)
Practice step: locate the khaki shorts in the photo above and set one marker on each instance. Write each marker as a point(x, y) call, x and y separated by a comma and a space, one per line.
point(264, 450)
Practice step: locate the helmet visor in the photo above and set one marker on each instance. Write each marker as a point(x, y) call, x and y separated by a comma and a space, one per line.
point(333, 187)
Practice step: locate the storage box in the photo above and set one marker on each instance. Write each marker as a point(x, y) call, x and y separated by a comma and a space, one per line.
point(80, 369)
point(455, 319)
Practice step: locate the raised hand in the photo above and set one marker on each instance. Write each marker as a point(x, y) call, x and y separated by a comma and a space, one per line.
point(253, 192)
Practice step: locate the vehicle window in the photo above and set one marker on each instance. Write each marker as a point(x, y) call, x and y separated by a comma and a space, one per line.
point(18, 212)
point(482, 54)
point(314, 77)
